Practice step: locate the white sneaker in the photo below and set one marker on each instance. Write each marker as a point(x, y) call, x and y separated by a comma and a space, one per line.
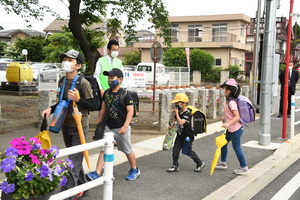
point(221, 165)
point(242, 170)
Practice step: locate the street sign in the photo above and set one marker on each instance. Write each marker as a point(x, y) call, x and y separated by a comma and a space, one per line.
point(156, 51)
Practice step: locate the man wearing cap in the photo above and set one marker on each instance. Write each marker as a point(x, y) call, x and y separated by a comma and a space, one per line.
point(292, 81)
point(117, 105)
point(71, 62)
point(106, 63)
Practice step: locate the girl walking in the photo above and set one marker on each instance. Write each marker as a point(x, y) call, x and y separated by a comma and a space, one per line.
point(234, 127)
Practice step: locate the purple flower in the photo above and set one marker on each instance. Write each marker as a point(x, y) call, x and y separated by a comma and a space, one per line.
point(57, 170)
point(50, 174)
point(10, 151)
point(7, 188)
point(63, 181)
point(54, 150)
point(69, 163)
point(8, 164)
point(29, 176)
point(44, 170)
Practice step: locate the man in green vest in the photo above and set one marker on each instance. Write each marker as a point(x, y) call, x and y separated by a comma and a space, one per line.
point(106, 63)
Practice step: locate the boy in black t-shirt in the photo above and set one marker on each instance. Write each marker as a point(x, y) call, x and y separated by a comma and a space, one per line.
point(185, 135)
point(119, 112)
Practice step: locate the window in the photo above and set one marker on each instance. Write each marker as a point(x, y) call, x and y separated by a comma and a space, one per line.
point(219, 32)
point(218, 62)
point(174, 29)
point(195, 33)
point(242, 30)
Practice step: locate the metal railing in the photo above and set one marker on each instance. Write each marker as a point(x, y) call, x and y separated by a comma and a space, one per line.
point(106, 180)
point(293, 111)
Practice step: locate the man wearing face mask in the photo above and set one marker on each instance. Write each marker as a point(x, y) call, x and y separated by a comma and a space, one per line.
point(292, 81)
point(71, 62)
point(106, 63)
point(117, 106)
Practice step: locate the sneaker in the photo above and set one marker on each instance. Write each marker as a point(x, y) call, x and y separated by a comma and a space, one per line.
point(242, 170)
point(173, 169)
point(199, 168)
point(93, 175)
point(221, 165)
point(133, 174)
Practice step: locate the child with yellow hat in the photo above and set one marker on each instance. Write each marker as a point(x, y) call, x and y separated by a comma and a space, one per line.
point(185, 136)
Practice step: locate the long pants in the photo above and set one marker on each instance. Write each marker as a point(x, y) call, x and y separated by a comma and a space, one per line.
point(77, 176)
point(176, 150)
point(289, 101)
point(235, 138)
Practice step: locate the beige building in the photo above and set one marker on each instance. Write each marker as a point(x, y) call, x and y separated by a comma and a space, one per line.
point(224, 36)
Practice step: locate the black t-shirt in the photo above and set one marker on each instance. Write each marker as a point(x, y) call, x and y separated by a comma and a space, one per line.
point(185, 130)
point(116, 103)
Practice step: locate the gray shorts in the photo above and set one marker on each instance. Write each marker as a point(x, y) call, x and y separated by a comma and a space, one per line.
point(123, 141)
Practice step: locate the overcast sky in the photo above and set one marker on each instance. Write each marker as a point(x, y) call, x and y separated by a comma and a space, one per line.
point(175, 8)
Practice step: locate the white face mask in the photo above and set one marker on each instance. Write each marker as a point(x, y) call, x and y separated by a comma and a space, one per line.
point(67, 66)
point(290, 67)
point(114, 54)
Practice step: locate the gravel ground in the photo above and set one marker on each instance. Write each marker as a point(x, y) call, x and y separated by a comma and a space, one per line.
point(15, 109)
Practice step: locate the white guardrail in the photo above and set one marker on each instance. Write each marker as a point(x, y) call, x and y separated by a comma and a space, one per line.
point(293, 111)
point(106, 180)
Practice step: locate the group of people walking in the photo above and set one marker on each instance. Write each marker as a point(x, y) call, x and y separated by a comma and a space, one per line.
point(118, 114)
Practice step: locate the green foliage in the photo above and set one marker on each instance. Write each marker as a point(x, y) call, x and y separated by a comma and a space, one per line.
point(59, 43)
point(201, 60)
point(133, 58)
point(213, 75)
point(12, 52)
point(34, 46)
point(3, 46)
point(281, 67)
point(233, 70)
point(174, 57)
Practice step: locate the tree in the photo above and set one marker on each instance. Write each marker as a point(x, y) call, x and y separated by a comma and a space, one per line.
point(133, 58)
point(3, 45)
point(92, 12)
point(113, 29)
point(174, 57)
point(34, 46)
point(201, 60)
point(58, 43)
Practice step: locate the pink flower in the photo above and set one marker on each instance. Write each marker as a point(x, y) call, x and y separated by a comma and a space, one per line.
point(35, 159)
point(21, 145)
point(44, 152)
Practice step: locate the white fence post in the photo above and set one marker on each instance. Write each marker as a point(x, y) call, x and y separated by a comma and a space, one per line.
point(108, 166)
point(293, 104)
point(105, 180)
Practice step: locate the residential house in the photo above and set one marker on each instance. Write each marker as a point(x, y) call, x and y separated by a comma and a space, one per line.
point(13, 34)
point(57, 25)
point(224, 36)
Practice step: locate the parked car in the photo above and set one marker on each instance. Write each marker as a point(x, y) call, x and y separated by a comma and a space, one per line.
point(45, 71)
point(3, 66)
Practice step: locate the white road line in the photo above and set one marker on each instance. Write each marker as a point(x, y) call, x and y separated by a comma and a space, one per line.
point(288, 190)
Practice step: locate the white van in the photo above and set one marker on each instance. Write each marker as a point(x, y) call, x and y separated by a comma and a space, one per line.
point(162, 75)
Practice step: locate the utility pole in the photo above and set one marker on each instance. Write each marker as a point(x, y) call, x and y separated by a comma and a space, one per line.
point(264, 136)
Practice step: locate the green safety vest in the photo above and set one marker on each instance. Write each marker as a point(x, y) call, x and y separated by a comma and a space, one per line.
point(106, 66)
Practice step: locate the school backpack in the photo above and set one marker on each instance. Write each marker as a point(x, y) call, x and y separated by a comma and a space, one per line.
point(95, 89)
point(136, 102)
point(246, 110)
point(198, 121)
